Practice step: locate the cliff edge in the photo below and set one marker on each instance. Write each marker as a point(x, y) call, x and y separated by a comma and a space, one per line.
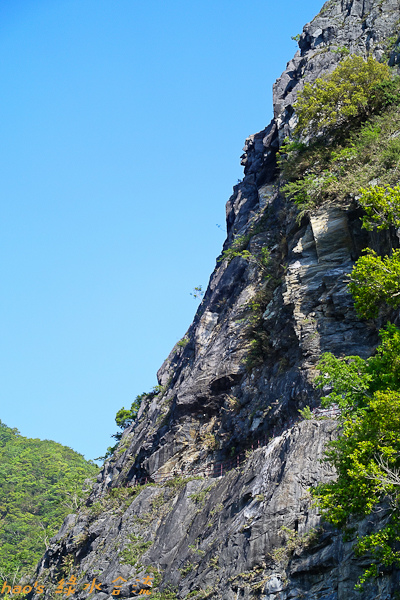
point(207, 493)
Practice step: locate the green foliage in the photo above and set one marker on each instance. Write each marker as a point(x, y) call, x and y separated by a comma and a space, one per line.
point(178, 483)
point(391, 156)
point(198, 292)
point(359, 93)
point(351, 91)
point(68, 564)
point(293, 542)
point(354, 380)
point(388, 92)
point(214, 562)
point(348, 377)
point(116, 499)
point(186, 569)
point(381, 203)
point(375, 281)
point(384, 365)
point(218, 508)
point(126, 417)
point(259, 347)
point(238, 248)
point(289, 146)
point(326, 7)
point(263, 259)
point(239, 243)
point(123, 418)
point(331, 170)
point(307, 192)
point(158, 501)
point(368, 134)
point(233, 403)
point(40, 483)
point(367, 438)
point(306, 413)
point(167, 594)
point(195, 548)
point(200, 497)
point(380, 545)
point(158, 389)
point(296, 38)
point(342, 156)
point(155, 574)
point(367, 454)
point(342, 50)
point(124, 495)
point(183, 342)
point(134, 550)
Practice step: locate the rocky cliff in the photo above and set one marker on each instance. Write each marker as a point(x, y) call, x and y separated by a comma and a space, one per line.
point(234, 520)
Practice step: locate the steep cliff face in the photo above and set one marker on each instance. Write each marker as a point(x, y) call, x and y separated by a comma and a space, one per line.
point(232, 388)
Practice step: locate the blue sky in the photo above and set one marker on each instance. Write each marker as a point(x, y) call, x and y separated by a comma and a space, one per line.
point(122, 125)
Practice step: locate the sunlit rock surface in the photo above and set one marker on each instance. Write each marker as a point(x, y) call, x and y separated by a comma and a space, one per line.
point(221, 536)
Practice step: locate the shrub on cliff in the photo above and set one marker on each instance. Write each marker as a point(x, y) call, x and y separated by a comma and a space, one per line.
point(123, 419)
point(321, 172)
point(375, 280)
point(382, 206)
point(355, 89)
point(366, 455)
point(126, 417)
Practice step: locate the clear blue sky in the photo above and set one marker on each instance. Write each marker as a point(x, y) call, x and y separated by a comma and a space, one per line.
point(122, 125)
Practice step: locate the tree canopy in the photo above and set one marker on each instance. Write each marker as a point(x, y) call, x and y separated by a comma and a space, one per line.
point(375, 280)
point(356, 88)
point(40, 483)
point(367, 453)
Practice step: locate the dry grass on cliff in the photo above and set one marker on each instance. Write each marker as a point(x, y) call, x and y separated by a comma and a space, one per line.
point(322, 172)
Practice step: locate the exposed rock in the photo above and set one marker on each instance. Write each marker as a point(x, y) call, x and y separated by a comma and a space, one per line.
point(232, 384)
point(225, 528)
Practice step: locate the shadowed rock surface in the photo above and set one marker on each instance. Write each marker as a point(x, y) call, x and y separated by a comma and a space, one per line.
point(245, 371)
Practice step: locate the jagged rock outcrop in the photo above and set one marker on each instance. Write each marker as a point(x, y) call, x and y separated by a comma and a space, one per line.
point(240, 374)
point(222, 531)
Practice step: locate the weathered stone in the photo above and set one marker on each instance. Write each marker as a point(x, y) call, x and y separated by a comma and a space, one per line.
point(225, 533)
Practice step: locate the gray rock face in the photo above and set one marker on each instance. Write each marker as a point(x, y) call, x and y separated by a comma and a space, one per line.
point(361, 26)
point(217, 533)
point(233, 388)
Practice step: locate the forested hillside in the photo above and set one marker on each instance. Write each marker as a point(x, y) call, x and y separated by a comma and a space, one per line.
point(40, 483)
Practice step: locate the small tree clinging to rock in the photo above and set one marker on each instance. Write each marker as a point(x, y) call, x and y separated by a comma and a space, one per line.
point(375, 280)
point(356, 88)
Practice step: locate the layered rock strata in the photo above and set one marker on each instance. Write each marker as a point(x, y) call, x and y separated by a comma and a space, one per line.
point(241, 373)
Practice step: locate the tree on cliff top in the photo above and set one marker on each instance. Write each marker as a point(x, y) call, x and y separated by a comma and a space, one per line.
point(355, 89)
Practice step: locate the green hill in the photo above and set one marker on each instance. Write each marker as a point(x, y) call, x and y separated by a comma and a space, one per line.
point(40, 483)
